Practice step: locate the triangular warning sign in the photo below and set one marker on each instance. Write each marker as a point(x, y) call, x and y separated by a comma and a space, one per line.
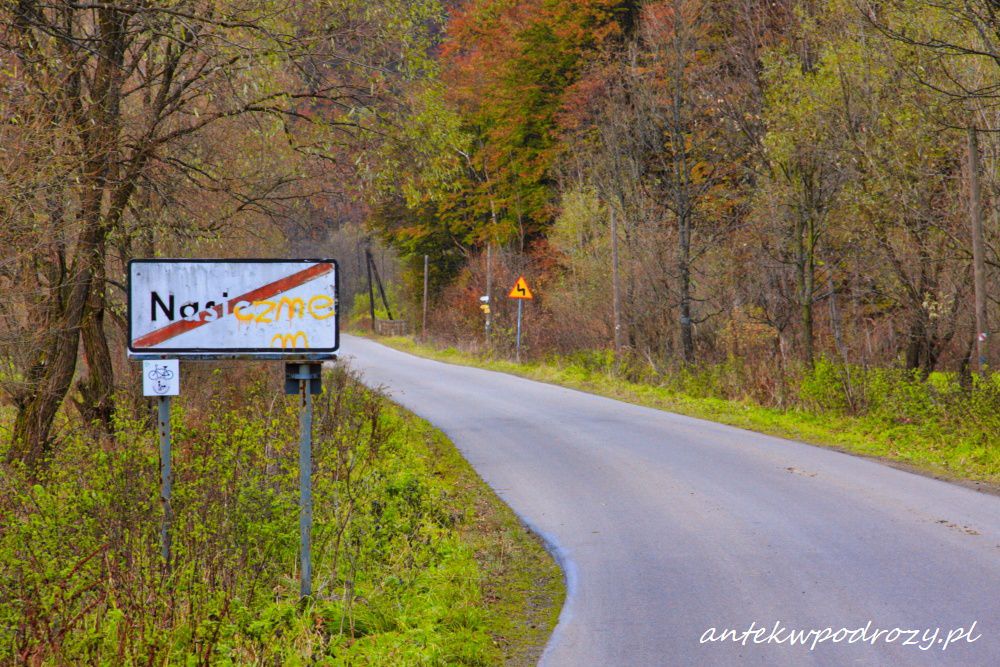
point(521, 290)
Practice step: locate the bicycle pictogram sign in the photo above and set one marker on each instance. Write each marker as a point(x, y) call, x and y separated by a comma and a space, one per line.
point(161, 377)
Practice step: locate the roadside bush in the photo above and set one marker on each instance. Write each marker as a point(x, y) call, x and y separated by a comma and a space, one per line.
point(82, 580)
point(823, 390)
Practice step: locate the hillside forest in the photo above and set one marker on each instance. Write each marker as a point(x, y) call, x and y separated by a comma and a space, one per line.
point(691, 181)
point(686, 183)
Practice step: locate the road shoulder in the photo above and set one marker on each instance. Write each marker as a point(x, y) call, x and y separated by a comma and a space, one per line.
point(843, 434)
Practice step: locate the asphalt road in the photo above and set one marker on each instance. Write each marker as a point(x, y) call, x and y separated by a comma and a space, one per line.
point(667, 526)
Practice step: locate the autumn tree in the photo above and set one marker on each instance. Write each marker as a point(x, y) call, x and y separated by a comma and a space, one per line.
point(118, 99)
point(955, 52)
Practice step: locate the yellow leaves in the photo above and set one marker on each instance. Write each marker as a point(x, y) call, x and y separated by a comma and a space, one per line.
point(700, 172)
point(580, 224)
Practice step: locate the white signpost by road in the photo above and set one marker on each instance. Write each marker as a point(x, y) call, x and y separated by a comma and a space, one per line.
point(198, 309)
point(275, 309)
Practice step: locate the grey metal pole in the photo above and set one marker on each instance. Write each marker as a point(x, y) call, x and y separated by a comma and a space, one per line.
point(520, 307)
point(371, 287)
point(166, 476)
point(305, 482)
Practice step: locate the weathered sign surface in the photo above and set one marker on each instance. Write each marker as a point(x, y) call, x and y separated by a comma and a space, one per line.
point(238, 308)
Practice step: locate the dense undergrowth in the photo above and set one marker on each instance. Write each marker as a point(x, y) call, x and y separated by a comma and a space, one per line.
point(396, 577)
point(935, 423)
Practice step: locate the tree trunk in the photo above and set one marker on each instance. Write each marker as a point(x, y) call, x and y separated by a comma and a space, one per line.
point(616, 302)
point(965, 363)
point(97, 388)
point(36, 413)
point(978, 254)
point(684, 270)
point(489, 285)
point(805, 263)
point(682, 206)
point(916, 346)
point(52, 372)
point(56, 359)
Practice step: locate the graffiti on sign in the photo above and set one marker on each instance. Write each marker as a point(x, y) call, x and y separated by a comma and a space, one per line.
point(177, 306)
point(289, 341)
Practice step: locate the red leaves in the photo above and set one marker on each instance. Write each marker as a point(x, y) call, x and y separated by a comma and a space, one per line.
point(512, 68)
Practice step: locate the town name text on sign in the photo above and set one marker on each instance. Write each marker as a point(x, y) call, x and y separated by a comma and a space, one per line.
point(233, 307)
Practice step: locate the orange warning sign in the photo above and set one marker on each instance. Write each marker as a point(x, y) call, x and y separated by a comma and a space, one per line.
point(521, 290)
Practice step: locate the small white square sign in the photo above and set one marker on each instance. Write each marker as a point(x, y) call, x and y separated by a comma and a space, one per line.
point(161, 377)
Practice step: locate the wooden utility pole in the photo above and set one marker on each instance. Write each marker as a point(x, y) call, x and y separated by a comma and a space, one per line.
point(978, 254)
point(423, 330)
point(615, 284)
point(489, 282)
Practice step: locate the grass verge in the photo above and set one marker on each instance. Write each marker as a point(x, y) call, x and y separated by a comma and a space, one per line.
point(962, 448)
point(522, 586)
point(416, 561)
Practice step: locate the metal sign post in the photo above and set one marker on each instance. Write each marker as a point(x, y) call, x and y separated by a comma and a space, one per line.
point(520, 309)
point(166, 476)
point(161, 378)
point(305, 483)
point(521, 292)
point(304, 380)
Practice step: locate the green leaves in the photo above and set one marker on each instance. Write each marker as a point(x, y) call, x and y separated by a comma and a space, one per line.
point(81, 580)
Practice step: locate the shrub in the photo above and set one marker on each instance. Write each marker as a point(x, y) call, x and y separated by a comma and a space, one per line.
point(82, 581)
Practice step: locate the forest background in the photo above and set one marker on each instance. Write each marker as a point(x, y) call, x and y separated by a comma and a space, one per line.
point(792, 205)
point(219, 128)
point(780, 181)
point(765, 188)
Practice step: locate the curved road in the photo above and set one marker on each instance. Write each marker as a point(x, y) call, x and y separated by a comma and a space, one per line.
point(667, 526)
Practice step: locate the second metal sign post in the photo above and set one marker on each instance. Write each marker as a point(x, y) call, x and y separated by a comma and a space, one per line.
point(305, 380)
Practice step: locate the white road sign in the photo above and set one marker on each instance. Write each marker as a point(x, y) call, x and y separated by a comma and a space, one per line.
point(161, 377)
point(260, 307)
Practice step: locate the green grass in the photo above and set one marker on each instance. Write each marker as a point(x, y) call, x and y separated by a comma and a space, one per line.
point(416, 561)
point(930, 427)
point(522, 586)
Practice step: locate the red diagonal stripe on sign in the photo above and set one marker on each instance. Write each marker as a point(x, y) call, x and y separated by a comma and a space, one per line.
point(265, 292)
